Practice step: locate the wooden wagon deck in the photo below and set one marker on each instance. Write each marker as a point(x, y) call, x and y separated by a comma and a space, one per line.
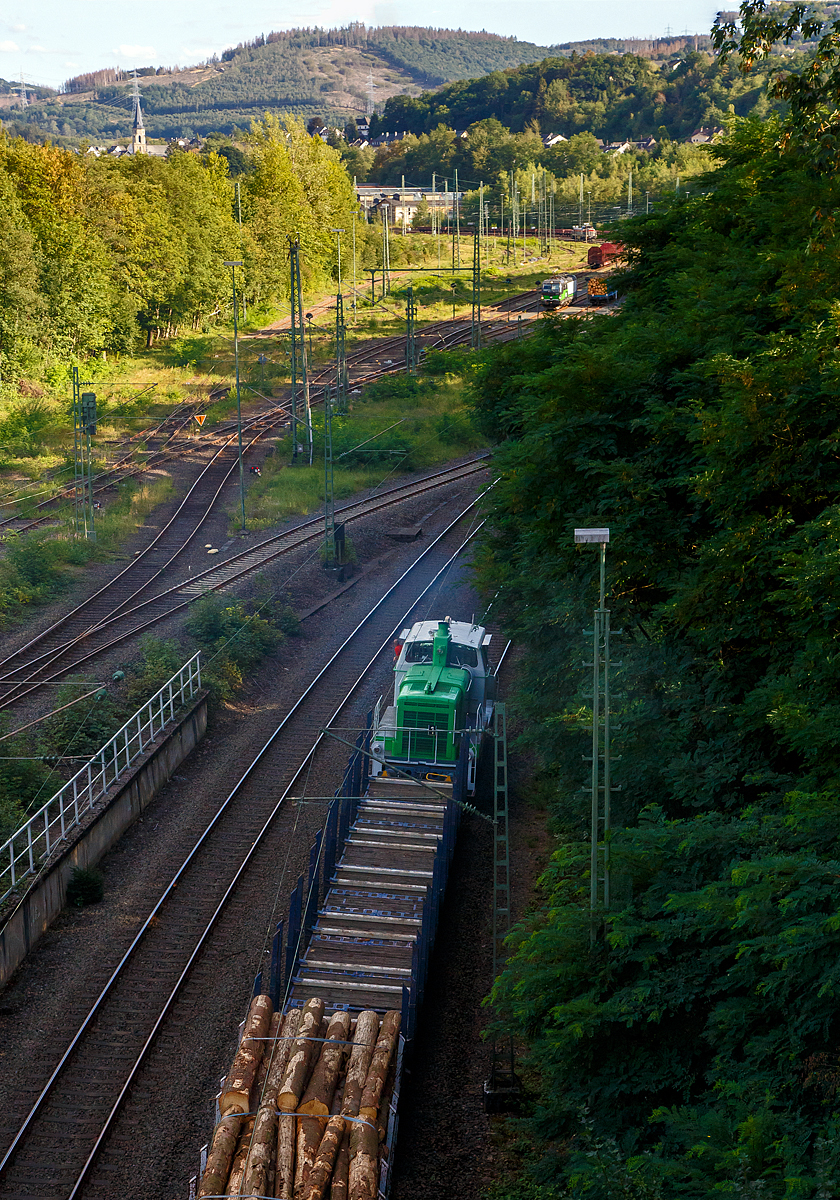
point(364, 945)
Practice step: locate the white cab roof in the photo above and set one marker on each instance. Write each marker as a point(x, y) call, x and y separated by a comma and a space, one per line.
point(461, 631)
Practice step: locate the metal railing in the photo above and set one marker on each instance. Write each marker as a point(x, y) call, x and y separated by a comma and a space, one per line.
point(35, 841)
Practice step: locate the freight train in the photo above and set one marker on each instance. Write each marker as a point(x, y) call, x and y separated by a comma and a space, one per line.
point(558, 291)
point(444, 690)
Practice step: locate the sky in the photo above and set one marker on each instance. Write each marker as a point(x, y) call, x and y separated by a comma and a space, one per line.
point(51, 40)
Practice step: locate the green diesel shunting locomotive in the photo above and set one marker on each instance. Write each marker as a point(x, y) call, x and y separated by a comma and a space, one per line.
point(443, 691)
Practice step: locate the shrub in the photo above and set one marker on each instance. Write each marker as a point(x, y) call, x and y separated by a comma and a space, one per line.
point(86, 886)
point(22, 430)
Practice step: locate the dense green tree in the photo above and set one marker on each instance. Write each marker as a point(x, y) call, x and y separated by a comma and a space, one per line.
point(698, 423)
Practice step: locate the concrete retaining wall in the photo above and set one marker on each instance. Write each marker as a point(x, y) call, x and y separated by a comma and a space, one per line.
point(120, 808)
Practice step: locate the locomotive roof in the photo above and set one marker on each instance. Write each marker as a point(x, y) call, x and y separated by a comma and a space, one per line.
point(461, 632)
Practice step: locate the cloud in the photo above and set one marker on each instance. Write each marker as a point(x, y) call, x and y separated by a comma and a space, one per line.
point(18, 28)
point(39, 50)
point(135, 51)
point(199, 52)
point(8, 47)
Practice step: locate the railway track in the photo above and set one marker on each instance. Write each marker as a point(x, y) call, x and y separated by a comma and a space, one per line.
point(439, 335)
point(83, 1121)
point(72, 642)
point(124, 467)
point(142, 572)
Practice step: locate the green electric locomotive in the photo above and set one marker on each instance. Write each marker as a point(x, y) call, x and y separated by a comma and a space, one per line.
point(444, 691)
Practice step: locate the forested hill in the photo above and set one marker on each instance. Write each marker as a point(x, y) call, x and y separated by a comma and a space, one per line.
point(691, 1047)
point(611, 96)
point(306, 72)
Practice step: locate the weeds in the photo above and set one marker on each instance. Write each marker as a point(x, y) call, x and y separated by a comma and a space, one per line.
point(430, 423)
point(236, 637)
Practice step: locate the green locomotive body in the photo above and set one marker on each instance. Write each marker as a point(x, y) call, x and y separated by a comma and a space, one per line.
point(443, 692)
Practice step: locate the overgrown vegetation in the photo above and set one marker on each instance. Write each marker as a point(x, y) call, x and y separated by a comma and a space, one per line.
point(86, 886)
point(612, 96)
point(96, 254)
point(235, 636)
point(34, 764)
point(696, 1049)
point(304, 71)
point(429, 422)
point(37, 566)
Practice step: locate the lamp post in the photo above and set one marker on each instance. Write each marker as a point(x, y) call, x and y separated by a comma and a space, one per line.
point(233, 265)
point(647, 202)
point(309, 324)
point(453, 285)
point(588, 208)
point(600, 816)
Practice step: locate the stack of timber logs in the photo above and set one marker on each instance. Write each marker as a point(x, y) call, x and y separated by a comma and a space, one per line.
point(304, 1106)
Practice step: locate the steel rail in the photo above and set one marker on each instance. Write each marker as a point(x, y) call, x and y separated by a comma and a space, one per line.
point(132, 565)
point(151, 918)
point(310, 531)
point(114, 469)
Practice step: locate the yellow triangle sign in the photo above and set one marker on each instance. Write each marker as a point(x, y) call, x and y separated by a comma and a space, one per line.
point(200, 417)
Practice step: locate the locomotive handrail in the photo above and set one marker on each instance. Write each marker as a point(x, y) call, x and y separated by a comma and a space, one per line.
point(38, 837)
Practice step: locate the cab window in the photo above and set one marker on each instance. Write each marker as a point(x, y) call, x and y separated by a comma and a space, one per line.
point(418, 652)
point(462, 656)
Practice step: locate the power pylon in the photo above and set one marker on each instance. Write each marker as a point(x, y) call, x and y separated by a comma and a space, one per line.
point(329, 489)
point(341, 379)
point(298, 349)
point(503, 1090)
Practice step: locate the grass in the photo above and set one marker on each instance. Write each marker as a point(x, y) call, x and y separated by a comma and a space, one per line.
point(37, 566)
point(431, 425)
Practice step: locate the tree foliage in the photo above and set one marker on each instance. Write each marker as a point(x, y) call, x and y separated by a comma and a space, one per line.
point(612, 96)
point(97, 253)
point(696, 1050)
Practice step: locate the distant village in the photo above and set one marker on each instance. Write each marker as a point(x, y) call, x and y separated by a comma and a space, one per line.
point(373, 198)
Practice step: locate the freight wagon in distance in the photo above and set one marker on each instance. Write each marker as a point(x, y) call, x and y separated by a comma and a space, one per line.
point(604, 253)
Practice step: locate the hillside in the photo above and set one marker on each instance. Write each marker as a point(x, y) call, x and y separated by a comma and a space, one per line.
point(612, 96)
point(307, 72)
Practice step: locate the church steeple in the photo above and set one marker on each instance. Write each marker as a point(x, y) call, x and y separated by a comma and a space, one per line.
point(138, 132)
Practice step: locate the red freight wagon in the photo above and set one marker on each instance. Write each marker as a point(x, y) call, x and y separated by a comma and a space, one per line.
point(604, 253)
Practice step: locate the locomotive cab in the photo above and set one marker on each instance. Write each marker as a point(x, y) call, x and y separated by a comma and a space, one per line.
point(443, 691)
point(558, 291)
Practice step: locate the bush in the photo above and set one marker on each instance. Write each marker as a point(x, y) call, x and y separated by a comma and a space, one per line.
point(86, 886)
point(22, 430)
point(237, 639)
